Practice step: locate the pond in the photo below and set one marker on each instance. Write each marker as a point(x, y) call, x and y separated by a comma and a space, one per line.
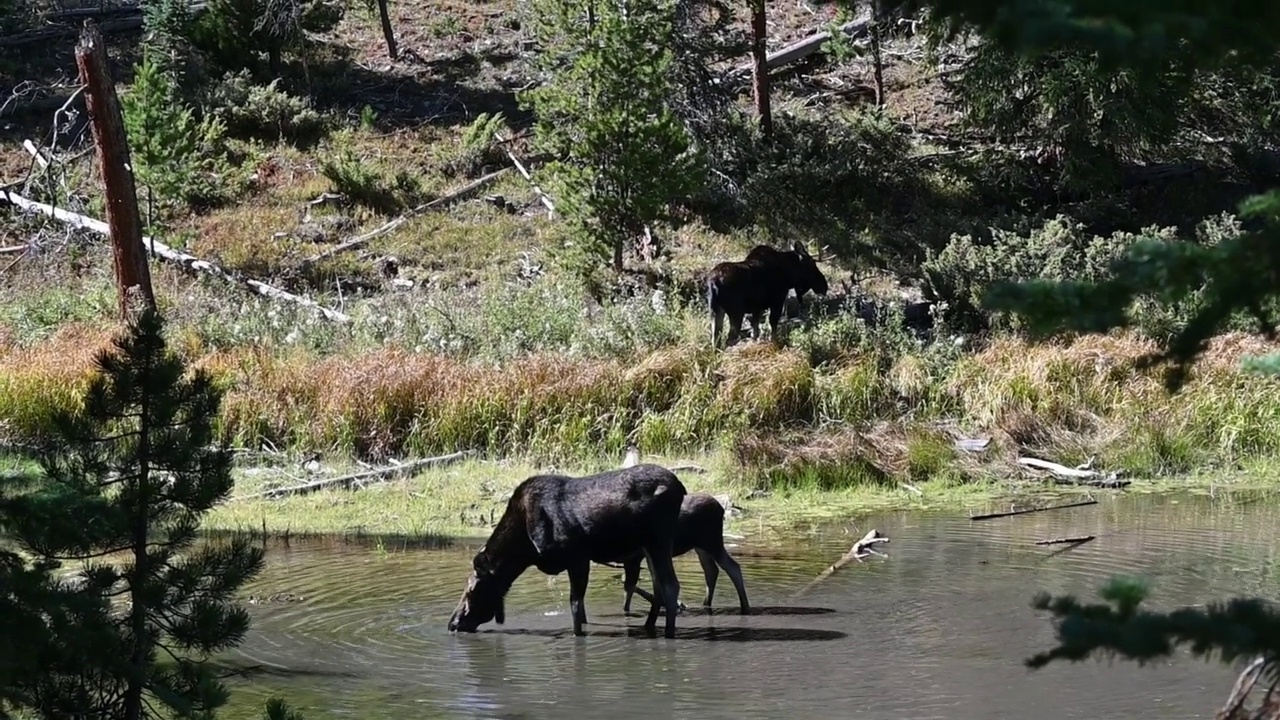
point(939, 629)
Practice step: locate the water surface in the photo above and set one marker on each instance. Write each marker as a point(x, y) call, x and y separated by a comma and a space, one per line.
point(939, 629)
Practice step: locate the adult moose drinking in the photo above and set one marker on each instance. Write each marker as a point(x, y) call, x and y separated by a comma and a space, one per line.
point(760, 282)
point(559, 523)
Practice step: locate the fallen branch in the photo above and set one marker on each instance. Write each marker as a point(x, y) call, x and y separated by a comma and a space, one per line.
point(35, 153)
point(1064, 540)
point(402, 219)
point(1010, 513)
point(861, 549)
point(546, 199)
point(176, 256)
point(1064, 475)
point(348, 480)
point(799, 50)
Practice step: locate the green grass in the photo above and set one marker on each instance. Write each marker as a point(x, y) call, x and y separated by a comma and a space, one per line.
point(464, 499)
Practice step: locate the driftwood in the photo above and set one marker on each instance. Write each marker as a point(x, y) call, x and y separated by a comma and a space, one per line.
point(861, 549)
point(176, 256)
point(1268, 709)
point(1080, 475)
point(360, 477)
point(402, 219)
point(546, 199)
point(799, 50)
point(1011, 513)
point(1077, 540)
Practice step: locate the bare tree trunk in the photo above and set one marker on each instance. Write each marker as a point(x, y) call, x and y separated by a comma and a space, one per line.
point(876, 57)
point(387, 31)
point(760, 75)
point(113, 158)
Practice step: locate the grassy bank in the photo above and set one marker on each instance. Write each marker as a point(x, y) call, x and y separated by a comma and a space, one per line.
point(833, 422)
point(465, 500)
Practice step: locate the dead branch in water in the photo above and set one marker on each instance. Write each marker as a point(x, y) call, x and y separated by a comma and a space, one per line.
point(1010, 513)
point(390, 225)
point(1077, 540)
point(348, 480)
point(1234, 708)
point(861, 549)
point(176, 256)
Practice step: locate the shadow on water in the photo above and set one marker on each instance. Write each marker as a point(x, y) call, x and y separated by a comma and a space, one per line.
point(947, 613)
point(735, 634)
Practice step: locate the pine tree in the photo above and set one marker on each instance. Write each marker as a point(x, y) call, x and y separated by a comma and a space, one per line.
point(122, 494)
point(605, 112)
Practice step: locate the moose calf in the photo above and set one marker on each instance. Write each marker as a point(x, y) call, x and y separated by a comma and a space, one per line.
point(559, 523)
point(701, 529)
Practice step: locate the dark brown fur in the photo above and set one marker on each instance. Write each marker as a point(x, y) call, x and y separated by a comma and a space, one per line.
point(701, 530)
point(559, 523)
point(760, 282)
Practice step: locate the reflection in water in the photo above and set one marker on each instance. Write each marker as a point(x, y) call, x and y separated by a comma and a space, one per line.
point(938, 630)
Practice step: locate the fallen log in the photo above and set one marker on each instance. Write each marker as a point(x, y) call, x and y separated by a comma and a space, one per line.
point(546, 199)
point(861, 549)
point(165, 252)
point(1079, 539)
point(402, 219)
point(798, 50)
point(348, 480)
point(1011, 513)
point(1081, 475)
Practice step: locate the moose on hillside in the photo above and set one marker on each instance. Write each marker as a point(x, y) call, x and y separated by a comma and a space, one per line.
point(760, 282)
point(559, 523)
point(701, 530)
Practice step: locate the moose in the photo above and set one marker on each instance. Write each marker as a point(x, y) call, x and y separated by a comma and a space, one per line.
point(701, 530)
point(760, 282)
point(559, 523)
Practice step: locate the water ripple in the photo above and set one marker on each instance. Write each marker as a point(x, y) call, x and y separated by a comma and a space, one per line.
point(939, 629)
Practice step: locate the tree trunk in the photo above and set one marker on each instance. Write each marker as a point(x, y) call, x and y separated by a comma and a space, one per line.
point(113, 158)
point(387, 31)
point(760, 74)
point(876, 57)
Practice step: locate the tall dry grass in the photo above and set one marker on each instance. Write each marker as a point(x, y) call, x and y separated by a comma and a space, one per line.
point(867, 418)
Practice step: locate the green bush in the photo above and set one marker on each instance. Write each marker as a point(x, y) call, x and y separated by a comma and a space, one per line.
point(1059, 250)
point(264, 111)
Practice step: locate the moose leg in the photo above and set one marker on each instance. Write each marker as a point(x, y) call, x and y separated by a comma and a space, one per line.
point(734, 571)
point(578, 573)
point(735, 328)
point(756, 319)
point(717, 322)
point(710, 572)
point(666, 588)
point(630, 582)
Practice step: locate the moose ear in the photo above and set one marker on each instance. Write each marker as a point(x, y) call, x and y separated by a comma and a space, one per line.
point(799, 247)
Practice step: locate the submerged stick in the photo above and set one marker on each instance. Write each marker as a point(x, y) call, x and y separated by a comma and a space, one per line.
point(1077, 540)
point(346, 480)
point(1009, 513)
point(861, 549)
